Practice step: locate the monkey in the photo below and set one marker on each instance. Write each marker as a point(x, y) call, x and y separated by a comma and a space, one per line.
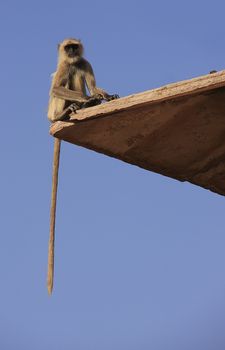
point(68, 94)
point(68, 88)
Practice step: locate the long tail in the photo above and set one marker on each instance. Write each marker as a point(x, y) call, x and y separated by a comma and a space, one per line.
point(55, 172)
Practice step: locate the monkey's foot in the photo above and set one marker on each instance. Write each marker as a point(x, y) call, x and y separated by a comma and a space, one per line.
point(73, 108)
point(65, 114)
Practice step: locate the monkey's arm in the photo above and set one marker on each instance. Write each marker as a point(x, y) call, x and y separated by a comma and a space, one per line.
point(69, 95)
point(91, 84)
point(59, 83)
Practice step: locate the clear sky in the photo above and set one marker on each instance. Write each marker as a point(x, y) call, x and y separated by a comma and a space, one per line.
point(140, 258)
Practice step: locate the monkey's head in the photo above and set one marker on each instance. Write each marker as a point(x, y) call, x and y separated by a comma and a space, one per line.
point(70, 50)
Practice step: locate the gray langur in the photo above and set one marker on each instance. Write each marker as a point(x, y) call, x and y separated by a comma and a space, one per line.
point(68, 89)
point(67, 94)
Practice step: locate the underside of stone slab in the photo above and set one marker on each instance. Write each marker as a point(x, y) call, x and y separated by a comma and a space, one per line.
point(177, 130)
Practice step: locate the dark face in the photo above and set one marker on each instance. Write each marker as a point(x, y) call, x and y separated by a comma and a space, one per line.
point(72, 50)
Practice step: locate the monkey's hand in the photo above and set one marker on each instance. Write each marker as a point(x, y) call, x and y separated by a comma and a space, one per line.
point(112, 97)
point(92, 101)
point(98, 96)
point(105, 96)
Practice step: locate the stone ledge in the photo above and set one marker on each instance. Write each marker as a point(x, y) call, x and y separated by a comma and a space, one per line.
point(177, 130)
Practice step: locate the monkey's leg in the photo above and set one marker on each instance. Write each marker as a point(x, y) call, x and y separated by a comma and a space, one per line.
point(65, 114)
point(55, 171)
point(71, 109)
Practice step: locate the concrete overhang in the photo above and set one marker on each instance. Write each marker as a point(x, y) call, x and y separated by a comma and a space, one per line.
point(177, 130)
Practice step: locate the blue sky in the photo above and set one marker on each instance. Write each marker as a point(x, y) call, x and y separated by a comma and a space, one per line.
point(140, 258)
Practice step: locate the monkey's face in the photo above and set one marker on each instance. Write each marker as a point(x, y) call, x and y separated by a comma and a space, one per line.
point(72, 50)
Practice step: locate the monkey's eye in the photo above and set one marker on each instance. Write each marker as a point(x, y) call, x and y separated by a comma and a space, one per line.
point(71, 47)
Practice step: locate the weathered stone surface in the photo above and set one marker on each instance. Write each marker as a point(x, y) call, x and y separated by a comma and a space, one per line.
point(177, 130)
